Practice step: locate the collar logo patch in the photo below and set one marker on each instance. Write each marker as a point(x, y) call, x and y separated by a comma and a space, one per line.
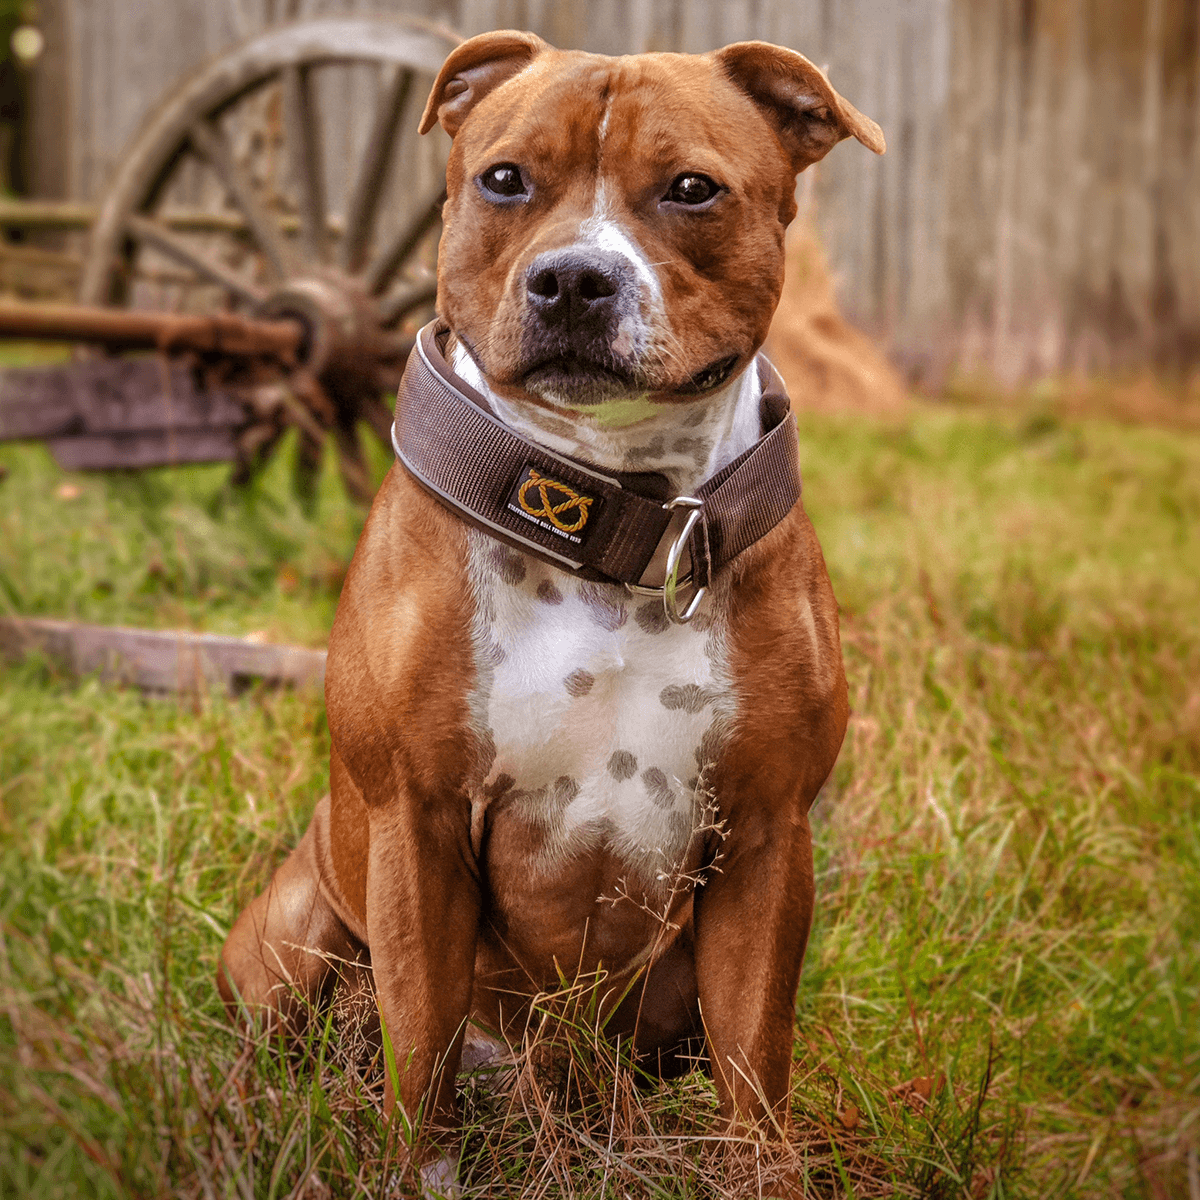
point(551, 505)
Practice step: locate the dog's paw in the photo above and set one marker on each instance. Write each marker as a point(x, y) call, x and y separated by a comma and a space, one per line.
point(436, 1181)
point(481, 1053)
point(439, 1180)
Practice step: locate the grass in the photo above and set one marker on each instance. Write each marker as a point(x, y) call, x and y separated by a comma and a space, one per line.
point(174, 548)
point(1002, 992)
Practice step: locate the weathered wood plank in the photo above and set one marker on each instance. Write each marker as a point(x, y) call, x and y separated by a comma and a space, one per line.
point(65, 216)
point(136, 451)
point(161, 660)
point(109, 396)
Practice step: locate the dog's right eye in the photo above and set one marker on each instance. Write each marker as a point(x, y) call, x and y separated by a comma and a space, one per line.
point(504, 179)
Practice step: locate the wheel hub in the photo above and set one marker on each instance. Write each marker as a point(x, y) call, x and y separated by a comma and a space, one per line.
point(344, 343)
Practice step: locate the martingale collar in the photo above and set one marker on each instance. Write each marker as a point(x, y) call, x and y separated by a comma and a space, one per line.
point(600, 525)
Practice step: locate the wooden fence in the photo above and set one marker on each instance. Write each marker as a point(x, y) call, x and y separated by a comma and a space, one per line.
point(1038, 209)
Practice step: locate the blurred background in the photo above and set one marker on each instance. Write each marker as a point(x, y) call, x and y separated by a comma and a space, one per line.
point(1037, 212)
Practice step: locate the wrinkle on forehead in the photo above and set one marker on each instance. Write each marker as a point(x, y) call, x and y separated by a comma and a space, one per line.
point(602, 129)
point(545, 110)
point(632, 120)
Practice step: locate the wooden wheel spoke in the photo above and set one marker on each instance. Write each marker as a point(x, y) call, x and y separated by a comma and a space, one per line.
point(383, 269)
point(308, 469)
point(302, 122)
point(381, 143)
point(211, 143)
point(143, 229)
point(396, 307)
point(264, 138)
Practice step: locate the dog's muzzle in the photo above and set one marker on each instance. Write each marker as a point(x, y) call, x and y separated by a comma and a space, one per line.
point(581, 310)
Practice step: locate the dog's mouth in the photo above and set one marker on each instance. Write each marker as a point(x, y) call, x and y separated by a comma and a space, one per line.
point(578, 378)
point(586, 381)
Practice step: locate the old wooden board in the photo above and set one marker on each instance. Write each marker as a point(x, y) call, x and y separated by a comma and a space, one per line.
point(161, 660)
point(119, 413)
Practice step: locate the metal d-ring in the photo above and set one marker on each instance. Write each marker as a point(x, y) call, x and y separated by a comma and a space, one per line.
point(672, 582)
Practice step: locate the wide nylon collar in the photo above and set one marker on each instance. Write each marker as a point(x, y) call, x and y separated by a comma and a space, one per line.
point(600, 525)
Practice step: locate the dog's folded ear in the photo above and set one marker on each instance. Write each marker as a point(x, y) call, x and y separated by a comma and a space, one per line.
point(480, 65)
point(797, 98)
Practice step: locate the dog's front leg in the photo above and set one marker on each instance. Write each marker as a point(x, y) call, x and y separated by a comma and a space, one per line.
point(423, 906)
point(751, 924)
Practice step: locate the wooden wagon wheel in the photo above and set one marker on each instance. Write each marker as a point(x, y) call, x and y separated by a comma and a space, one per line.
point(344, 241)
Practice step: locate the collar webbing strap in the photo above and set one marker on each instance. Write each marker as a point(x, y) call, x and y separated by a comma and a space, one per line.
point(571, 514)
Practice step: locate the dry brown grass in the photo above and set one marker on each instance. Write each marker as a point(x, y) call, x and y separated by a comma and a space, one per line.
point(827, 364)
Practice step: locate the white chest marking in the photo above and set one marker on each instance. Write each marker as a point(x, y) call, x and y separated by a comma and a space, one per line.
point(603, 714)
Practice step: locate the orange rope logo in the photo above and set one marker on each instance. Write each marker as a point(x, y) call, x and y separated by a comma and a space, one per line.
point(549, 510)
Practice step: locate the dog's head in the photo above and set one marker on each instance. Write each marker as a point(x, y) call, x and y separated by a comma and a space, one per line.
point(614, 226)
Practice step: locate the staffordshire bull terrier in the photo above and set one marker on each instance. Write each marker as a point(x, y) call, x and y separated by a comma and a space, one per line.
point(543, 761)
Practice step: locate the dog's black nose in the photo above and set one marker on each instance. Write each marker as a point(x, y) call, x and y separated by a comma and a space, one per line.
point(575, 288)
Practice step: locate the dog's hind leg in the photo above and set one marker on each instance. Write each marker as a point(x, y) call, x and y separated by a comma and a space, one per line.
point(289, 945)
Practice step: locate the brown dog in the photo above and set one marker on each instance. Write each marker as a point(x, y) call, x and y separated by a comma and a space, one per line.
point(527, 763)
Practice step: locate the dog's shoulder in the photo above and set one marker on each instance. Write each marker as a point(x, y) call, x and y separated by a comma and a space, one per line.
point(785, 658)
point(402, 636)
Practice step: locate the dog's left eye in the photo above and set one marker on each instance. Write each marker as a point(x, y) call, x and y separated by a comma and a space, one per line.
point(692, 189)
point(504, 179)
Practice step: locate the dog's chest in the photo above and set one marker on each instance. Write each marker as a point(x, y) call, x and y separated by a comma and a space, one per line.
point(602, 713)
